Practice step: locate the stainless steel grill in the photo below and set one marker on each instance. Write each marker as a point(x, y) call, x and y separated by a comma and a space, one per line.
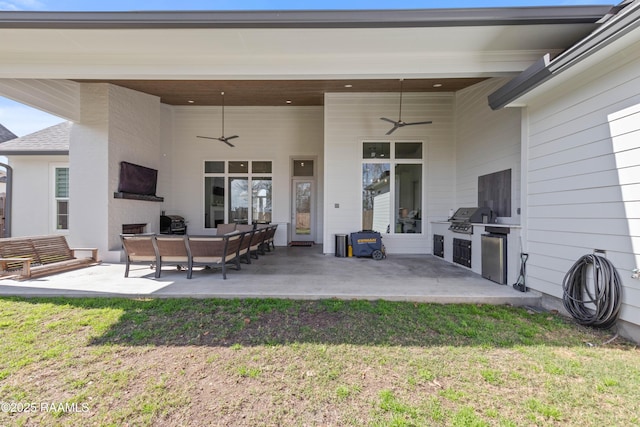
point(172, 224)
point(463, 219)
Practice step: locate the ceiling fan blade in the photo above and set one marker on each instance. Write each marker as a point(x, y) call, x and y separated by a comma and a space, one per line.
point(418, 123)
point(223, 139)
point(226, 142)
point(388, 120)
point(393, 129)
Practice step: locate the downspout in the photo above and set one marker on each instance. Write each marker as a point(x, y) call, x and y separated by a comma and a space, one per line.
point(7, 201)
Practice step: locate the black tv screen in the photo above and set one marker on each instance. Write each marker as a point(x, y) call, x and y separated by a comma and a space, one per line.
point(136, 179)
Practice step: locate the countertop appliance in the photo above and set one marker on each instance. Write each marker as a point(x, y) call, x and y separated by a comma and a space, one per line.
point(463, 219)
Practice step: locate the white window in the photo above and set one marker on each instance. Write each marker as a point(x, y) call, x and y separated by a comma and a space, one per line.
point(237, 191)
point(61, 197)
point(392, 175)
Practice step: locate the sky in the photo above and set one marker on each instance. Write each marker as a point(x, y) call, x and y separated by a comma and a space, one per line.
point(23, 120)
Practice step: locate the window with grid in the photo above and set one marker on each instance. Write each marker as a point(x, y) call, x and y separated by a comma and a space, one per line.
point(392, 175)
point(237, 191)
point(61, 177)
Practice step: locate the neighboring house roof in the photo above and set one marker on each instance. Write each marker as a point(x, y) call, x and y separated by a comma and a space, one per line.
point(53, 140)
point(621, 20)
point(6, 134)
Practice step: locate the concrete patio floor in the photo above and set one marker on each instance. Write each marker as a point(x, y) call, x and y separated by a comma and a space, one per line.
point(287, 272)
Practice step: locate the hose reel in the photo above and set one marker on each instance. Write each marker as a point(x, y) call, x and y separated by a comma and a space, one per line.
point(593, 300)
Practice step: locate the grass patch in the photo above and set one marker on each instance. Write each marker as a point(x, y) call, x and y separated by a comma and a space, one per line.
point(178, 362)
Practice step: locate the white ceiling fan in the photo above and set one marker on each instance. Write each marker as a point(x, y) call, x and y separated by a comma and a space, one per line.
point(223, 138)
point(399, 123)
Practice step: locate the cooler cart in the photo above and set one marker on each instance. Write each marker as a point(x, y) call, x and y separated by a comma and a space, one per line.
point(367, 243)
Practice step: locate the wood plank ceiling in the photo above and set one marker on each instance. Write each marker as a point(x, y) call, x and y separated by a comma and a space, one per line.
point(278, 92)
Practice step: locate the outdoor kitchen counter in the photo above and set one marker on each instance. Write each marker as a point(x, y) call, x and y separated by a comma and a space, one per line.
point(482, 224)
point(513, 245)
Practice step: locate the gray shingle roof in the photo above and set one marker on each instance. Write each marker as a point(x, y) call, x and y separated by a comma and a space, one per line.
point(52, 140)
point(6, 134)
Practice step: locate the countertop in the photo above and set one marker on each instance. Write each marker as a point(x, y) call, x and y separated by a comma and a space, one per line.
point(483, 224)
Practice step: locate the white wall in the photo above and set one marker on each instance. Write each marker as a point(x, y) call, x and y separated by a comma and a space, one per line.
point(276, 134)
point(487, 141)
point(134, 136)
point(583, 174)
point(33, 213)
point(88, 171)
point(351, 119)
point(117, 124)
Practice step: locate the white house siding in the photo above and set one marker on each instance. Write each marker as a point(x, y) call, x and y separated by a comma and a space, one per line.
point(58, 97)
point(487, 141)
point(351, 119)
point(276, 134)
point(33, 192)
point(117, 125)
point(583, 180)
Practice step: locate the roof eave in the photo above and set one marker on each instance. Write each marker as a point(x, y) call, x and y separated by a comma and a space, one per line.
point(307, 18)
point(545, 69)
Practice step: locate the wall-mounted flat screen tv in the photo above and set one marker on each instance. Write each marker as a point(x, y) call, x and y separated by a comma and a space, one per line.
point(136, 179)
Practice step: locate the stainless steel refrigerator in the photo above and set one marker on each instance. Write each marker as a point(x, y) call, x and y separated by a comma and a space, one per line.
point(494, 257)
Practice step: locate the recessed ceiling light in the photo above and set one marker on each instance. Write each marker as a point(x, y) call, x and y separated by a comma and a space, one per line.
point(190, 101)
point(437, 85)
point(288, 101)
point(347, 86)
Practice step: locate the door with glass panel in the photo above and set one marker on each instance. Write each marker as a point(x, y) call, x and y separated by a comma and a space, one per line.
point(302, 219)
point(303, 201)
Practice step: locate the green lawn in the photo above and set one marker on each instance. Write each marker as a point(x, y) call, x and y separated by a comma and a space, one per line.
point(194, 362)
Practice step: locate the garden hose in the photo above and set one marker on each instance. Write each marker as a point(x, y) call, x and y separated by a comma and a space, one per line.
point(597, 305)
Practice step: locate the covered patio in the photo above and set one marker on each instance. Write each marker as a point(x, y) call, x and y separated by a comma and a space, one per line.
point(287, 272)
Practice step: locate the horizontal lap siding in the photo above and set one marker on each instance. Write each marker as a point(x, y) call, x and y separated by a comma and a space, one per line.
point(583, 177)
point(487, 141)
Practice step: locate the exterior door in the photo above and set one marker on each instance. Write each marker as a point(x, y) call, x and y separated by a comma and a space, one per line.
point(302, 218)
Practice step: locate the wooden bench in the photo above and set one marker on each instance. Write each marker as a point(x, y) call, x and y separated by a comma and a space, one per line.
point(9, 265)
point(36, 256)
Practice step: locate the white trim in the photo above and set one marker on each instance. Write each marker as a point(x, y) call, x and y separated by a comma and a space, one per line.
point(53, 214)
